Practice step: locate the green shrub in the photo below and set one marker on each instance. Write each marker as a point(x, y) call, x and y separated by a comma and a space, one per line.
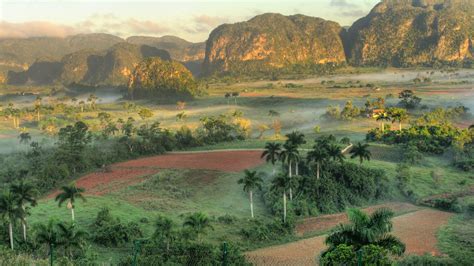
point(110, 231)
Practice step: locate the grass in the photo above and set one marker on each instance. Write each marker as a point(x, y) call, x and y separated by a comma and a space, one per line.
point(457, 239)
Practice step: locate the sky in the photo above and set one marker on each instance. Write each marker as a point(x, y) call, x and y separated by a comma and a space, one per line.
point(191, 20)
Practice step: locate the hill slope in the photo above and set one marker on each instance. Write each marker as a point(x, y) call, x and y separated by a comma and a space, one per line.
point(273, 41)
point(413, 32)
point(88, 67)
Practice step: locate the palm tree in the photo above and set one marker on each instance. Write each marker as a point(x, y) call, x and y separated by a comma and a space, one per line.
point(24, 137)
point(361, 151)
point(199, 223)
point(281, 183)
point(272, 153)
point(70, 237)
point(289, 155)
point(398, 115)
point(335, 153)
point(296, 139)
point(164, 230)
point(365, 230)
point(382, 118)
point(48, 234)
point(25, 194)
point(251, 181)
point(10, 211)
point(70, 194)
point(38, 107)
point(318, 155)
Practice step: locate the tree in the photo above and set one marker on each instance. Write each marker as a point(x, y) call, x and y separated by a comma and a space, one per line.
point(361, 151)
point(281, 183)
point(38, 107)
point(335, 153)
point(408, 99)
point(10, 211)
point(145, 113)
point(382, 118)
point(366, 230)
point(73, 139)
point(164, 230)
point(289, 155)
point(70, 194)
point(398, 115)
point(71, 238)
point(24, 193)
point(199, 223)
point(24, 137)
point(318, 155)
point(48, 234)
point(92, 99)
point(251, 182)
point(272, 153)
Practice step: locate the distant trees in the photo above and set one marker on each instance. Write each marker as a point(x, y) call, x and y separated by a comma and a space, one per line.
point(383, 117)
point(70, 194)
point(398, 115)
point(408, 99)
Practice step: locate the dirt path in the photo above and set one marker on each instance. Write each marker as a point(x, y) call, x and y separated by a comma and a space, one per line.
point(416, 229)
point(131, 172)
point(325, 222)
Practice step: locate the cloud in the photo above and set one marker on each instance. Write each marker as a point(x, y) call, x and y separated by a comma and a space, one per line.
point(356, 13)
point(205, 23)
point(341, 3)
point(109, 23)
point(34, 29)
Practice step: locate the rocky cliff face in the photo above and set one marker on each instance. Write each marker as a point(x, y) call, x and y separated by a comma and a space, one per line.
point(272, 41)
point(112, 67)
point(413, 32)
point(154, 77)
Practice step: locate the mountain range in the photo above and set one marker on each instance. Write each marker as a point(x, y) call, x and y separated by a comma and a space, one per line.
point(399, 33)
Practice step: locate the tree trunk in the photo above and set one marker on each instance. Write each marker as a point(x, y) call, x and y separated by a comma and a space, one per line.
point(24, 230)
point(296, 167)
point(251, 202)
point(284, 206)
point(383, 127)
point(291, 191)
point(72, 214)
point(400, 125)
point(317, 170)
point(10, 232)
point(38, 114)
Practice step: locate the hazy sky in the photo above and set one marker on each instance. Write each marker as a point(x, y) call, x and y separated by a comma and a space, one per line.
point(192, 20)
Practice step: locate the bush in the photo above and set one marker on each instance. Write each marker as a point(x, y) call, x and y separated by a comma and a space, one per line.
point(110, 231)
point(425, 260)
point(346, 255)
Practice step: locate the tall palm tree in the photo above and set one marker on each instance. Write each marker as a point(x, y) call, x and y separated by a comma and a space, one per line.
point(70, 194)
point(10, 211)
point(281, 183)
point(251, 181)
point(48, 234)
point(25, 193)
point(272, 153)
point(199, 223)
point(318, 155)
point(335, 153)
point(383, 117)
point(289, 155)
point(398, 115)
point(70, 237)
point(365, 230)
point(296, 138)
point(361, 150)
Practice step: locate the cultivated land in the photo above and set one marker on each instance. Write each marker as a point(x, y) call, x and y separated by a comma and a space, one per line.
point(177, 184)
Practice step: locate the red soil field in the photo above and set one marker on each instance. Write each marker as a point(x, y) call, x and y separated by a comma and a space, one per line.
point(131, 172)
point(227, 161)
point(416, 229)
